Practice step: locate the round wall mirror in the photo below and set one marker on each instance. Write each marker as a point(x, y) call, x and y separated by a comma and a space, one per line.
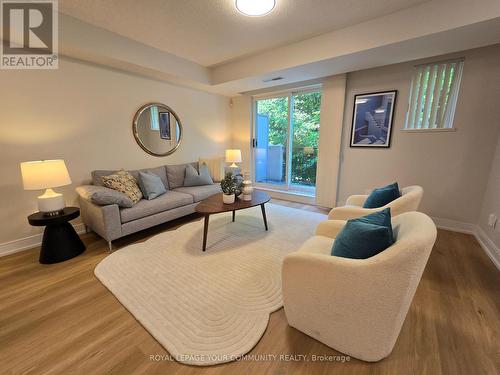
point(157, 129)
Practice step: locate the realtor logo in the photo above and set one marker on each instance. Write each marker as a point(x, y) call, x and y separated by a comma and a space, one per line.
point(29, 34)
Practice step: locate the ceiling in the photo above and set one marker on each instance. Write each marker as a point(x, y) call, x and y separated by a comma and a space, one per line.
point(211, 32)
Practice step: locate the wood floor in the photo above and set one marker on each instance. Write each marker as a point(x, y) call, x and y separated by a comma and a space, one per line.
point(59, 319)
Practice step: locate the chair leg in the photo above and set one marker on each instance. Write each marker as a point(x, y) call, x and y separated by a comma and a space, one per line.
point(87, 229)
point(110, 246)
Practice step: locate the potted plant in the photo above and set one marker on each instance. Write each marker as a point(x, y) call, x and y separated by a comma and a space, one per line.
point(229, 185)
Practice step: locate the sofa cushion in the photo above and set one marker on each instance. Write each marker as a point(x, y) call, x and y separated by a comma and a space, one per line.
point(151, 185)
point(194, 178)
point(200, 192)
point(159, 171)
point(144, 208)
point(98, 174)
point(175, 174)
point(382, 196)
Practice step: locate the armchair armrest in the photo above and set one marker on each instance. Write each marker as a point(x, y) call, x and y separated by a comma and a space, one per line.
point(350, 212)
point(329, 228)
point(356, 200)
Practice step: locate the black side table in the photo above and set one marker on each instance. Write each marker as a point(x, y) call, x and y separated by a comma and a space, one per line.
point(60, 241)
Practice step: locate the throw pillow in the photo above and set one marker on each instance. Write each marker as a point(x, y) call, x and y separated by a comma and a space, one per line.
point(193, 178)
point(382, 196)
point(125, 183)
point(151, 185)
point(215, 167)
point(176, 174)
point(104, 196)
point(358, 240)
point(381, 218)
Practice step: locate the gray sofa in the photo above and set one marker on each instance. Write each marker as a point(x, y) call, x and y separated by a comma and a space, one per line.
point(112, 221)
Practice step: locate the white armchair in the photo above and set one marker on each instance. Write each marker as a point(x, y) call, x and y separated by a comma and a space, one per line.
point(409, 201)
point(356, 306)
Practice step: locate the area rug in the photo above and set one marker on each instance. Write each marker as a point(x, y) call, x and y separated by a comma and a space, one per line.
point(209, 307)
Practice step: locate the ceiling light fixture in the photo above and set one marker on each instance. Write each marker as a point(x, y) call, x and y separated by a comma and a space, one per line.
point(255, 8)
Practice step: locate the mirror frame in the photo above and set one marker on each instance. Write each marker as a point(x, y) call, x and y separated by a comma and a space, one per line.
point(136, 135)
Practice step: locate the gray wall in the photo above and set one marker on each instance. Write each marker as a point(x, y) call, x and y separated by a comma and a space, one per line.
point(452, 167)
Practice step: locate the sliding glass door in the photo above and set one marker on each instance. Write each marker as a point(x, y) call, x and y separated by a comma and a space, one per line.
point(286, 140)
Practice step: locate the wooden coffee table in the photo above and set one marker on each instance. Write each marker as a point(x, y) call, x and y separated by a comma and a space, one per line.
point(214, 205)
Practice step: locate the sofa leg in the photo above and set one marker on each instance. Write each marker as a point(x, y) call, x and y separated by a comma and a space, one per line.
point(87, 229)
point(110, 246)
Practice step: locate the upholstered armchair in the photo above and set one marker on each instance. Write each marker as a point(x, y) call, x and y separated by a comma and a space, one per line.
point(409, 201)
point(356, 306)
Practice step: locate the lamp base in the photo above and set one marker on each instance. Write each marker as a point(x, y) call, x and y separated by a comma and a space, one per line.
point(51, 203)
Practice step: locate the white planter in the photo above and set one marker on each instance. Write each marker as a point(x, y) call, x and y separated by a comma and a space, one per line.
point(228, 199)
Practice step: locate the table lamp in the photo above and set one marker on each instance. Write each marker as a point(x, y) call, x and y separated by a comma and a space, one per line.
point(233, 156)
point(46, 174)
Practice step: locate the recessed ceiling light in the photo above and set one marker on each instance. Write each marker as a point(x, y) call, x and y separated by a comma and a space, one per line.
point(255, 8)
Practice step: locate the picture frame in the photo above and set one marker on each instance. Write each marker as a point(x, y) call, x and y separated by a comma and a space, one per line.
point(164, 121)
point(372, 119)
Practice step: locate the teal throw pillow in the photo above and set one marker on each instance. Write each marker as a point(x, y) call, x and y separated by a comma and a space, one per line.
point(364, 237)
point(380, 197)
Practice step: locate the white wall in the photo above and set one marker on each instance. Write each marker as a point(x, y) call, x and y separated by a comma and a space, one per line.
point(452, 167)
point(83, 114)
point(241, 128)
point(332, 111)
point(491, 202)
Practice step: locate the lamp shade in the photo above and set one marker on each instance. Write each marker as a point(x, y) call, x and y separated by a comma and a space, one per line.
point(44, 174)
point(233, 156)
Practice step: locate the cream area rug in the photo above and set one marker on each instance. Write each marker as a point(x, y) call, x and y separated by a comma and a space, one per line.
point(209, 307)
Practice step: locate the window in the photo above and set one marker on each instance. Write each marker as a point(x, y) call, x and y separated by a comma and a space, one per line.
point(433, 95)
point(155, 123)
point(286, 140)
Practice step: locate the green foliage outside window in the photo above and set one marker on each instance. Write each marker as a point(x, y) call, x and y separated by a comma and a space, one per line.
point(305, 132)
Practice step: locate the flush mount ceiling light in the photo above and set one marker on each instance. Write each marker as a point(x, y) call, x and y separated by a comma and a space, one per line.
point(255, 8)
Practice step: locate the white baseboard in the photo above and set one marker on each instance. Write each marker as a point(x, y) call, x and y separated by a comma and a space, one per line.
point(29, 242)
point(486, 243)
point(288, 196)
point(454, 226)
point(488, 246)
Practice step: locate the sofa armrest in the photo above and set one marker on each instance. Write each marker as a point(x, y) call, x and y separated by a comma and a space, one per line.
point(330, 228)
point(104, 220)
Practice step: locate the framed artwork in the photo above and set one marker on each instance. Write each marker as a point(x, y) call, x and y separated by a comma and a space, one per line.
point(372, 119)
point(164, 119)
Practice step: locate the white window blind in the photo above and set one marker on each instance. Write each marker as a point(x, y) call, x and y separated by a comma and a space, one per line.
point(433, 95)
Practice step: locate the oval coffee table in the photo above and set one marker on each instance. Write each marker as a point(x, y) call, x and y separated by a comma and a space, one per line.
point(214, 205)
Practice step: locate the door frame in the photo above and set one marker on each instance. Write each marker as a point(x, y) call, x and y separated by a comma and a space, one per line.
point(271, 95)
